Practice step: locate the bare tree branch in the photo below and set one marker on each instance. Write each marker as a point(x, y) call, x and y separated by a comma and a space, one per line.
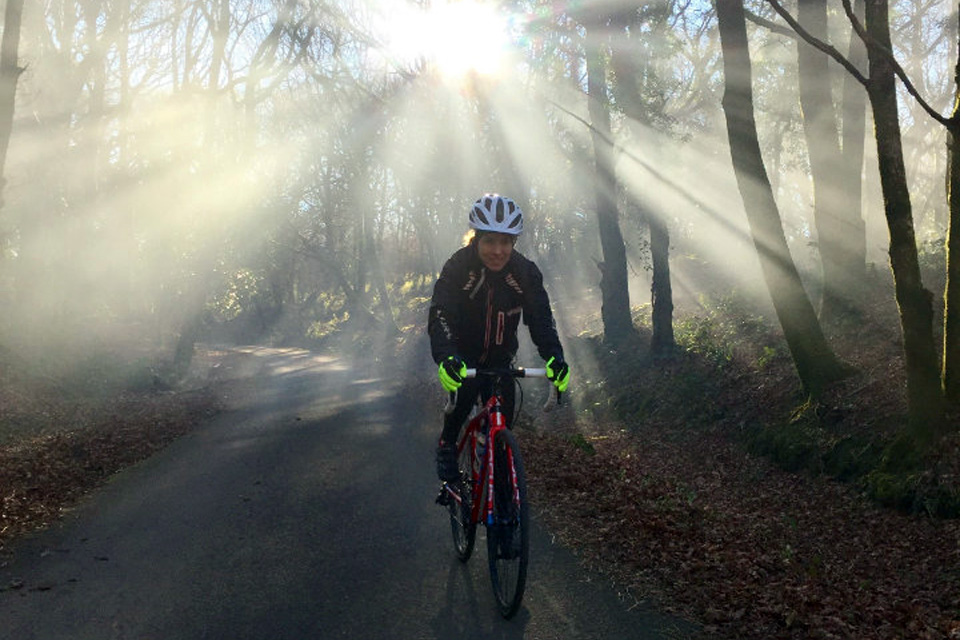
point(769, 24)
point(897, 69)
point(850, 67)
point(819, 44)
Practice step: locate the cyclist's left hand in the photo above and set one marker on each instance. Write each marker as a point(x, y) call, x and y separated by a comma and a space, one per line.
point(559, 373)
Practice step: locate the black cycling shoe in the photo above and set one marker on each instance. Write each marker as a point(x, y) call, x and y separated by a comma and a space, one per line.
point(447, 469)
point(443, 498)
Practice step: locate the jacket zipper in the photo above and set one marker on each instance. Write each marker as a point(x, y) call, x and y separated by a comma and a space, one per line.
point(489, 314)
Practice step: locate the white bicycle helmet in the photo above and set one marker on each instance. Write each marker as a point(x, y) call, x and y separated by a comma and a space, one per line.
point(493, 212)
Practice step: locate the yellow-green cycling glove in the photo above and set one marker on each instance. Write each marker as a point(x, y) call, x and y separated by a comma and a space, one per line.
point(452, 371)
point(559, 373)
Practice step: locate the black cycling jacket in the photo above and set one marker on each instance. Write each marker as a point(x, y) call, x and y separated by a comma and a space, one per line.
point(474, 313)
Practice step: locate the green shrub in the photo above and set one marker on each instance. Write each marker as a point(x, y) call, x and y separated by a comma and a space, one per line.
point(580, 442)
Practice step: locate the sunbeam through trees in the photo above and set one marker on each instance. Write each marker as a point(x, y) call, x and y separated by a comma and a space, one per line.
point(699, 181)
point(291, 171)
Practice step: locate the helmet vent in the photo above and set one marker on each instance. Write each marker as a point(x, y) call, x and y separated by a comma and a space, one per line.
point(478, 212)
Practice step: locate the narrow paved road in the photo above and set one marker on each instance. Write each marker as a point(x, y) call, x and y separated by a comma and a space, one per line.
point(303, 512)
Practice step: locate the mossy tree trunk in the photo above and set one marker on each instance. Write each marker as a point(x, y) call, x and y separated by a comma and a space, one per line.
point(951, 315)
point(924, 394)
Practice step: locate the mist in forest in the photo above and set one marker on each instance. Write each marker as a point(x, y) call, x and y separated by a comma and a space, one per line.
point(271, 172)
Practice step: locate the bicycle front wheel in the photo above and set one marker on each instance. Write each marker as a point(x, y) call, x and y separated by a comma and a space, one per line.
point(462, 524)
point(508, 544)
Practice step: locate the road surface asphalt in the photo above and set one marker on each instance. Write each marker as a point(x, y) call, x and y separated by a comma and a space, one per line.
point(304, 511)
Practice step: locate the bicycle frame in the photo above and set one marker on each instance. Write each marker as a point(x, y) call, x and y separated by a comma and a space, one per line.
point(491, 415)
point(481, 476)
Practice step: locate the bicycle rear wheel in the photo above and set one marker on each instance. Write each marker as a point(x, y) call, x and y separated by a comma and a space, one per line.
point(463, 526)
point(508, 544)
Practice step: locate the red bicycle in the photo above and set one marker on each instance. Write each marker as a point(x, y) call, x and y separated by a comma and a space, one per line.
point(492, 490)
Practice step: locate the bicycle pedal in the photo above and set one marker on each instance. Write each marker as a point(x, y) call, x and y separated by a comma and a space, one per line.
point(443, 499)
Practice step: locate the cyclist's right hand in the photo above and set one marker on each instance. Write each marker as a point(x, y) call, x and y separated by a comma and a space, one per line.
point(559, 373)
point(452, 372)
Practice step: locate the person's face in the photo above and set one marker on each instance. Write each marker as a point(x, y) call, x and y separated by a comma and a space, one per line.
point(495, 250)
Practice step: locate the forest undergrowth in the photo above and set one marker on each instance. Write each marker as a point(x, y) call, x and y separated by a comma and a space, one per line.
point(706, 483)
point(702, 482)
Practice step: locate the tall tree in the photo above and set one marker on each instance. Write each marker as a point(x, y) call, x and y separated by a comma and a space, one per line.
point(816, 363)
point(925, 397)
point(615, 309)
point(850, 170)
point(630, 63)
point(840, 228)
point(951, 321)
point(661, 289)
point(914, 300)
point(10, 71)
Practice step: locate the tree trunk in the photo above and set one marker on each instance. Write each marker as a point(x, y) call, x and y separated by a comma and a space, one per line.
point(615, 307)
point(924, 395)
point(190, 329)
point(624, 59)
point(853, 135)
point(815, 362)
point(661, 290)
point(390, 327)
point(841, 275)
point(9, 74)
point(951, 302)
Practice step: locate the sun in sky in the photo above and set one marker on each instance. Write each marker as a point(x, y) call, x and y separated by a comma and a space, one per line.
point(458, 37)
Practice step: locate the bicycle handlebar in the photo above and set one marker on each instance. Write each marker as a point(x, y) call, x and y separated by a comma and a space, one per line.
point(519, 372)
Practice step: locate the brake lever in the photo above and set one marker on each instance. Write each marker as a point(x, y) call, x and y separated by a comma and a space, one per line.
point(549, 404)
point(451, 403)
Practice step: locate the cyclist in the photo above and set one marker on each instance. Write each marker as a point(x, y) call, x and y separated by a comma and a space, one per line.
point(478, 300)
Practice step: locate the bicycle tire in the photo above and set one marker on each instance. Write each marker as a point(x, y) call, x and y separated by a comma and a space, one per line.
point(462, 525)
point(508, 534)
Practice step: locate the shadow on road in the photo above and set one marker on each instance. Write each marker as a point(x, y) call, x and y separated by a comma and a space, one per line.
point(303, 511)
point(466, 611)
